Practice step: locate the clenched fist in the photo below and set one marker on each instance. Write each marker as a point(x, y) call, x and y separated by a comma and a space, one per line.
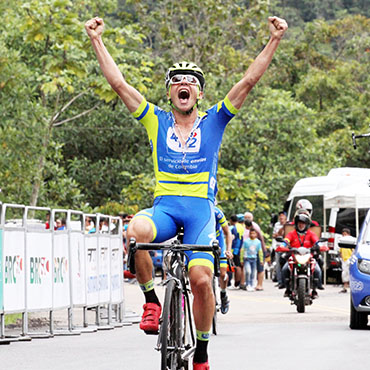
point(94, 27)
point(277, 26)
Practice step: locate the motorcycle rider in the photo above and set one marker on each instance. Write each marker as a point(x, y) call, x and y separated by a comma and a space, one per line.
point(301, 205)
point(305, 204)
point(302, 236)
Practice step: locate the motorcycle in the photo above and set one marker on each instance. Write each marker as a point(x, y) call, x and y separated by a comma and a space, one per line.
point(302, 266)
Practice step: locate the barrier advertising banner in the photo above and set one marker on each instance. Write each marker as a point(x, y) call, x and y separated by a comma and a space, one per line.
point(14, 277)
point(116, 270)
point(78, 270)
point(104, 268)
point(92, 272)
point(38, 267)
point(61, 266)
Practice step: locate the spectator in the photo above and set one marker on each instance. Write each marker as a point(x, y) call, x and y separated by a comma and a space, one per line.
point(47, 222)
point(345, 254)
point(275, 233)
point(89, 225)
point(103, 225)
point(249, 223)
point(252, 247)
point(60, 224)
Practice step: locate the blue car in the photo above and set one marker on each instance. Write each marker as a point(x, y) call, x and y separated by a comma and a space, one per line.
point(360, 277)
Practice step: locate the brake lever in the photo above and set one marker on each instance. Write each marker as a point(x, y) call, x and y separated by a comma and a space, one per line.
point(216, 255)
point(131, 255)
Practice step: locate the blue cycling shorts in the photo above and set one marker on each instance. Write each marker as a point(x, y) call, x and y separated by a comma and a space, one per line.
point(196, 215)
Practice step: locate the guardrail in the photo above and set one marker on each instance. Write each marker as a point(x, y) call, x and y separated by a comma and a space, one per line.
point(43, 269)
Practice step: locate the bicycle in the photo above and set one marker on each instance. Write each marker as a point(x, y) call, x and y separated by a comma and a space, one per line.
point(176, 339)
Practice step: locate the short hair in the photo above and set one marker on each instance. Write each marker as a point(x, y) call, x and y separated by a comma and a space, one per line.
point(252, 229)
point(233, 218)
point(248, 223)
point(346, 230)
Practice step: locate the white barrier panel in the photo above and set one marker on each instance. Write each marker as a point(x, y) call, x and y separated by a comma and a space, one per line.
point(38, 267)
point(1, 277)
point(92, 272)
point(116, 269)
point(14, 270)
point(78, 270)
point(61, 266)
point(104, 268)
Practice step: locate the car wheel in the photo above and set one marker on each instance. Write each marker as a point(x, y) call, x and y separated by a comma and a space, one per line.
point(358, 320)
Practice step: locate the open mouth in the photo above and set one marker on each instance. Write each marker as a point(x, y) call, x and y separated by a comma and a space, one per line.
point(184, 94)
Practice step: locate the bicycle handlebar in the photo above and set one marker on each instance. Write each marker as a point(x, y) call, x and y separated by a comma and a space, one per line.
point(133, 247)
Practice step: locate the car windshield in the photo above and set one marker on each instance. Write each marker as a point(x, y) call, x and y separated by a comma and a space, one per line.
point(347, 219)
point(366, 238)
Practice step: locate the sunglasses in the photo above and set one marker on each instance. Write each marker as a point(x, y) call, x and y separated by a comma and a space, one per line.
point(177, 79)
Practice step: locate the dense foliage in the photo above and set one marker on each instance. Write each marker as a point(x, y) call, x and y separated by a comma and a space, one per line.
point(66, 140)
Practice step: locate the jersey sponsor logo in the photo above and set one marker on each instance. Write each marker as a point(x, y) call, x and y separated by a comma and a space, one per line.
point(192, 144)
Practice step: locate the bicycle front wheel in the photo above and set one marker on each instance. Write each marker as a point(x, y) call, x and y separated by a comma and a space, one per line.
point(171, 328)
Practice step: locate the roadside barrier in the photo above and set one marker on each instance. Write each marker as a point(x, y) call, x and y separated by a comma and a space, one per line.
point(44, 270)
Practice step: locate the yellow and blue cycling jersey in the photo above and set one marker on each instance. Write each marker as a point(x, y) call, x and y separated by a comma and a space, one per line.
point(190, 170)
point(185, 176)
point(238, 232)
point(221, 222)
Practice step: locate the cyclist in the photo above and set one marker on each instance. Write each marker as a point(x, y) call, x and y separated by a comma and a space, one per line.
point(222, 229)
point(185, 145)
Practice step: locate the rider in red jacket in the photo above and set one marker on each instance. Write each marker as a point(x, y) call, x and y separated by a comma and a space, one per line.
point(301, 237)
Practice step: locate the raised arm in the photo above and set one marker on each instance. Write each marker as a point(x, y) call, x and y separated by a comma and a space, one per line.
point(129, 95)
point(239, 91)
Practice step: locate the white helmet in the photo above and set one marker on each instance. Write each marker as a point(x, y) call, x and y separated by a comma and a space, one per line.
point(305, 205)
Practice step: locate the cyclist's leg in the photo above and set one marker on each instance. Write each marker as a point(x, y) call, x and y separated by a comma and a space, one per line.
point(152, 224)
point(199, 228)
point(223, 276)
point(223, 263)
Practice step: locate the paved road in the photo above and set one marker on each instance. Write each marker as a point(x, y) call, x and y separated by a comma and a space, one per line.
point(261, 331)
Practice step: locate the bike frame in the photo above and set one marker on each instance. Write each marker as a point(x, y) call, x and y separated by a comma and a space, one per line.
point(173, 343)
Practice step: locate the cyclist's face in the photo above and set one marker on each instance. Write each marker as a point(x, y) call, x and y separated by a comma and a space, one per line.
point(184, 95)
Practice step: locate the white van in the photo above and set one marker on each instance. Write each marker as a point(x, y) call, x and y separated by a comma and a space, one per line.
point(327, 195)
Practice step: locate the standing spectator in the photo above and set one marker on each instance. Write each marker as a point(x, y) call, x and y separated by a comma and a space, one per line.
point(60, 224)
point(89, 225)
point(275, 233)
point(252, 248)
point(47, 222)
point(249, 223)
point(345, 254)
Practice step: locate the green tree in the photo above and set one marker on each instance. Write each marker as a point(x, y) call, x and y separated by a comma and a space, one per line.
point(56, 82)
